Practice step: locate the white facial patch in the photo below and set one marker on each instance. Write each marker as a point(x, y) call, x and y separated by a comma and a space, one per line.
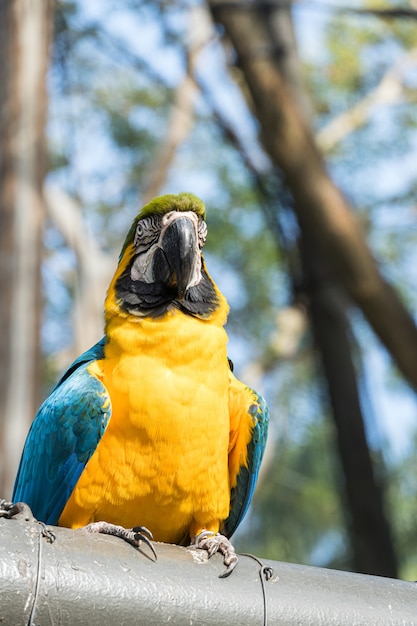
point(142, 267)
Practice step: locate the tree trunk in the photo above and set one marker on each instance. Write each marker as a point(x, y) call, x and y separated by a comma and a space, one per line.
point(25, 30)
point(362, 495)
point(264, 40)
point(321, 209)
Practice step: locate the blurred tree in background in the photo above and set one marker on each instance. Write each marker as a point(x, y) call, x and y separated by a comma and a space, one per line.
point(240, 103)
point(25, 35)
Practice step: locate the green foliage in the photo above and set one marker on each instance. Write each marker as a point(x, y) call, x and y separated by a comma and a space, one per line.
point(110, 102)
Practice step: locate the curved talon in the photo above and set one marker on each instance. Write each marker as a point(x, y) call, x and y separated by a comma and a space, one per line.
point(5, 505)
point(201, 542)
point(203, 535)
point(134, 536)
point(229, 569)
point(143, 530)
point(142, 533)
point(207, 540)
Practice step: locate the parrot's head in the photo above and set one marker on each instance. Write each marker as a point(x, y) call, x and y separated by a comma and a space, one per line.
point(161, 266)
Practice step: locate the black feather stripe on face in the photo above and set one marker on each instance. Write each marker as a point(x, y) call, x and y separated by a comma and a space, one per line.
point(155, 299)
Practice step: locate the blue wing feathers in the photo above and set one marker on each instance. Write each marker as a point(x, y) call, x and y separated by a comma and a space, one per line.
point(68, 428)
point(62, 438)
point(241, 495)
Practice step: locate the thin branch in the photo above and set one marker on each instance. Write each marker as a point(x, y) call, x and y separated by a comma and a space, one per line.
point(383, 13)
point(389, 91)
point(397, 13)
point(94, 268)
point(182, 111)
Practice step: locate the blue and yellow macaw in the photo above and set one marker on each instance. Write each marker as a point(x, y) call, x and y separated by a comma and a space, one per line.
point(150, 425)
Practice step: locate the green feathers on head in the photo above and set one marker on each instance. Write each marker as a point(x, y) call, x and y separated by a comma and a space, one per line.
point(165, 204)
point(172, 202)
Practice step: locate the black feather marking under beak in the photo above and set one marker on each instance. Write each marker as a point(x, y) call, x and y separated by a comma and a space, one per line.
point(181, 251)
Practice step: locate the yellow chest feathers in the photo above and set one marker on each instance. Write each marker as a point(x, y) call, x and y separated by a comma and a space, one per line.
point(166, 445)
point(166, 373)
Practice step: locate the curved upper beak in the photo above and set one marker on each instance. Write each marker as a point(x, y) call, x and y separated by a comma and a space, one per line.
point(181, 255)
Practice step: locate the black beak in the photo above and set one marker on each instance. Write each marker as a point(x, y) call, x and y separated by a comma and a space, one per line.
point(181, 252)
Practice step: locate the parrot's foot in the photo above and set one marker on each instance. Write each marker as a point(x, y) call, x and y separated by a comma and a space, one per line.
point(134, 536)
point(213, 543)
point(19, 509)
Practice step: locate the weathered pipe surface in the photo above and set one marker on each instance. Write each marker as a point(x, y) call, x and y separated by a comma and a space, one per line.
point(98, 580)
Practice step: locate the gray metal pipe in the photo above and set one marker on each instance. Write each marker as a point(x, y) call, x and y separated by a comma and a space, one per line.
point(95, 580)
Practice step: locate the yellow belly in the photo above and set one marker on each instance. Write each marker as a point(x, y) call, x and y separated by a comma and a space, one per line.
point(163, 460)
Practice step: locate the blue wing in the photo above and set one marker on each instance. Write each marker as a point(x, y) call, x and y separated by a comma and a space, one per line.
point(62, 438)
point(241, 494)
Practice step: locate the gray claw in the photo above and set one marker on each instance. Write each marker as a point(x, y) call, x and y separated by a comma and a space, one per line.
point(207, 540)
point(134, 536)
point(144, 534)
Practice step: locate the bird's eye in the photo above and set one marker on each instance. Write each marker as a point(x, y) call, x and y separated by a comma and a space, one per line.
point(147, 232)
